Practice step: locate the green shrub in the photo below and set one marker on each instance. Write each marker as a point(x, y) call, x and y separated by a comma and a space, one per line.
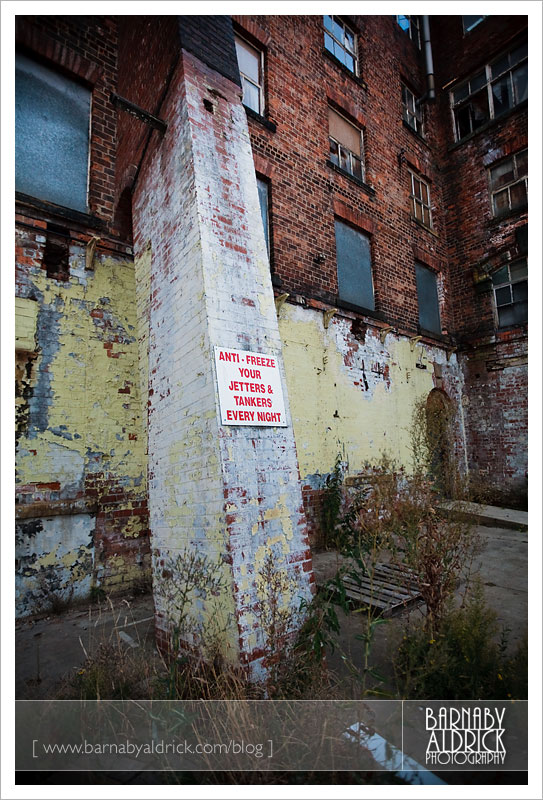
point(463, 661)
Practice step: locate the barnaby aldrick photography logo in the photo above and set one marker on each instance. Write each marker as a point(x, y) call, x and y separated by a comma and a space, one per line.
point(465, 736)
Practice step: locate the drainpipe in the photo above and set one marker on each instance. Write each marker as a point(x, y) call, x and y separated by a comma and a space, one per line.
point(430, 82)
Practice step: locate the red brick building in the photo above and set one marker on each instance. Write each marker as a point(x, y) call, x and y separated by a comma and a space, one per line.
point(347, 194)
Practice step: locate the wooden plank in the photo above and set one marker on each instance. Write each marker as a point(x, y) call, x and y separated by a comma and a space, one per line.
point(392, 587)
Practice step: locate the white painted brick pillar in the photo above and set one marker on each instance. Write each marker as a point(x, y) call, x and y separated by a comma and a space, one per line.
point(231, 493)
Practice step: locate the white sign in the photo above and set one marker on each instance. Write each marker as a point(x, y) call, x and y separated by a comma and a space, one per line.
point(250, 391)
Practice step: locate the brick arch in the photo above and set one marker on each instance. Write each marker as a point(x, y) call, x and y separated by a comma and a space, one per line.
point(39, 43)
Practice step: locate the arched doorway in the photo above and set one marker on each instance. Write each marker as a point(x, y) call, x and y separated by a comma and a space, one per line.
point(439, 441)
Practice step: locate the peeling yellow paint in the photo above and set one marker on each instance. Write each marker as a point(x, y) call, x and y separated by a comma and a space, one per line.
point(330, 414)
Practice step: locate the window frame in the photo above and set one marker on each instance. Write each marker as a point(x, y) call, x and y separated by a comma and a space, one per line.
point(416, 112)
point(489, 81)
point(418, 201)
point(341, 148)
point(412, 25)
point(352, 53)
point(509, 283)
point(515, 182)
point(261, 74)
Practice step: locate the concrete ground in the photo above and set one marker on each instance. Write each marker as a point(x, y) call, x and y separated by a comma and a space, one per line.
point(51, 648)
point(502, 566)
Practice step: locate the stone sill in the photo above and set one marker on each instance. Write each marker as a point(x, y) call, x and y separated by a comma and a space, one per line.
point(365, 186)
point(267, 123)
point(423, 226)
point(62, 213)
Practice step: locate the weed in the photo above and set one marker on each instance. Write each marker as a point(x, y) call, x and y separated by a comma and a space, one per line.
point(462, 661)
point(331, 502)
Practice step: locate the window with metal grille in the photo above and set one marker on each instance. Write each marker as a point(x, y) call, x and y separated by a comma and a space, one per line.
point(495, 89)
point(345, 144)
point(411, 110)
point(52, 126)
point(411, 25)
point(340, 40)
point(428, 299)
point(251, 70)
point(510, 285)
point(420, 199)
point(509, 183)
point(353, 255)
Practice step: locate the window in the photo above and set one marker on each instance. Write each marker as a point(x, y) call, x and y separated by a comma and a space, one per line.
point(341, 42)
point(411, 110)
point(509, 184)
point(52, 119)
point(470, 23)
point(420, 199)
point(263, 200)
point(353, 255)
point(411, 25)
point(510, 285)
point(428, 299)
point(498, 87)
point(345, 144)
point(251, 69)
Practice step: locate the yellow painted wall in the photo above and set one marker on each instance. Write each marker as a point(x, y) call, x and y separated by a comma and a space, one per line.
point(334, 410)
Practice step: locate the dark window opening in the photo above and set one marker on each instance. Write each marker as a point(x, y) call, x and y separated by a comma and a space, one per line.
point(56, 255)
point(493, 91)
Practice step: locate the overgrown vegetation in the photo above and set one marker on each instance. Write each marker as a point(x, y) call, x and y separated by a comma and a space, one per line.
point(462, 660)
point(453, 651)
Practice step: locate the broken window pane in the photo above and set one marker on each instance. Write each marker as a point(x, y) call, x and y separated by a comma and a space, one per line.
point(520, 82)
point(353, 253)
point(502, 95)
point(518, 194)
point(503, 174)
point(52, 116)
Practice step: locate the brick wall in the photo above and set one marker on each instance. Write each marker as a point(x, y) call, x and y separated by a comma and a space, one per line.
point(494, 361)
point(81, 494)
point(306, 193)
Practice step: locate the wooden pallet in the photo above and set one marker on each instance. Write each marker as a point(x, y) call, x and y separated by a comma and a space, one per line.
point(391, 588)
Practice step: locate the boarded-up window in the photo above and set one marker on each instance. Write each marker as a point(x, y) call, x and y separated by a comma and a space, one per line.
point(353, 253)
point(428, 299)
point(52, 115)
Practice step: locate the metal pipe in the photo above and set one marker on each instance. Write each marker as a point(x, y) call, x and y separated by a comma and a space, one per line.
point(430, 81)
